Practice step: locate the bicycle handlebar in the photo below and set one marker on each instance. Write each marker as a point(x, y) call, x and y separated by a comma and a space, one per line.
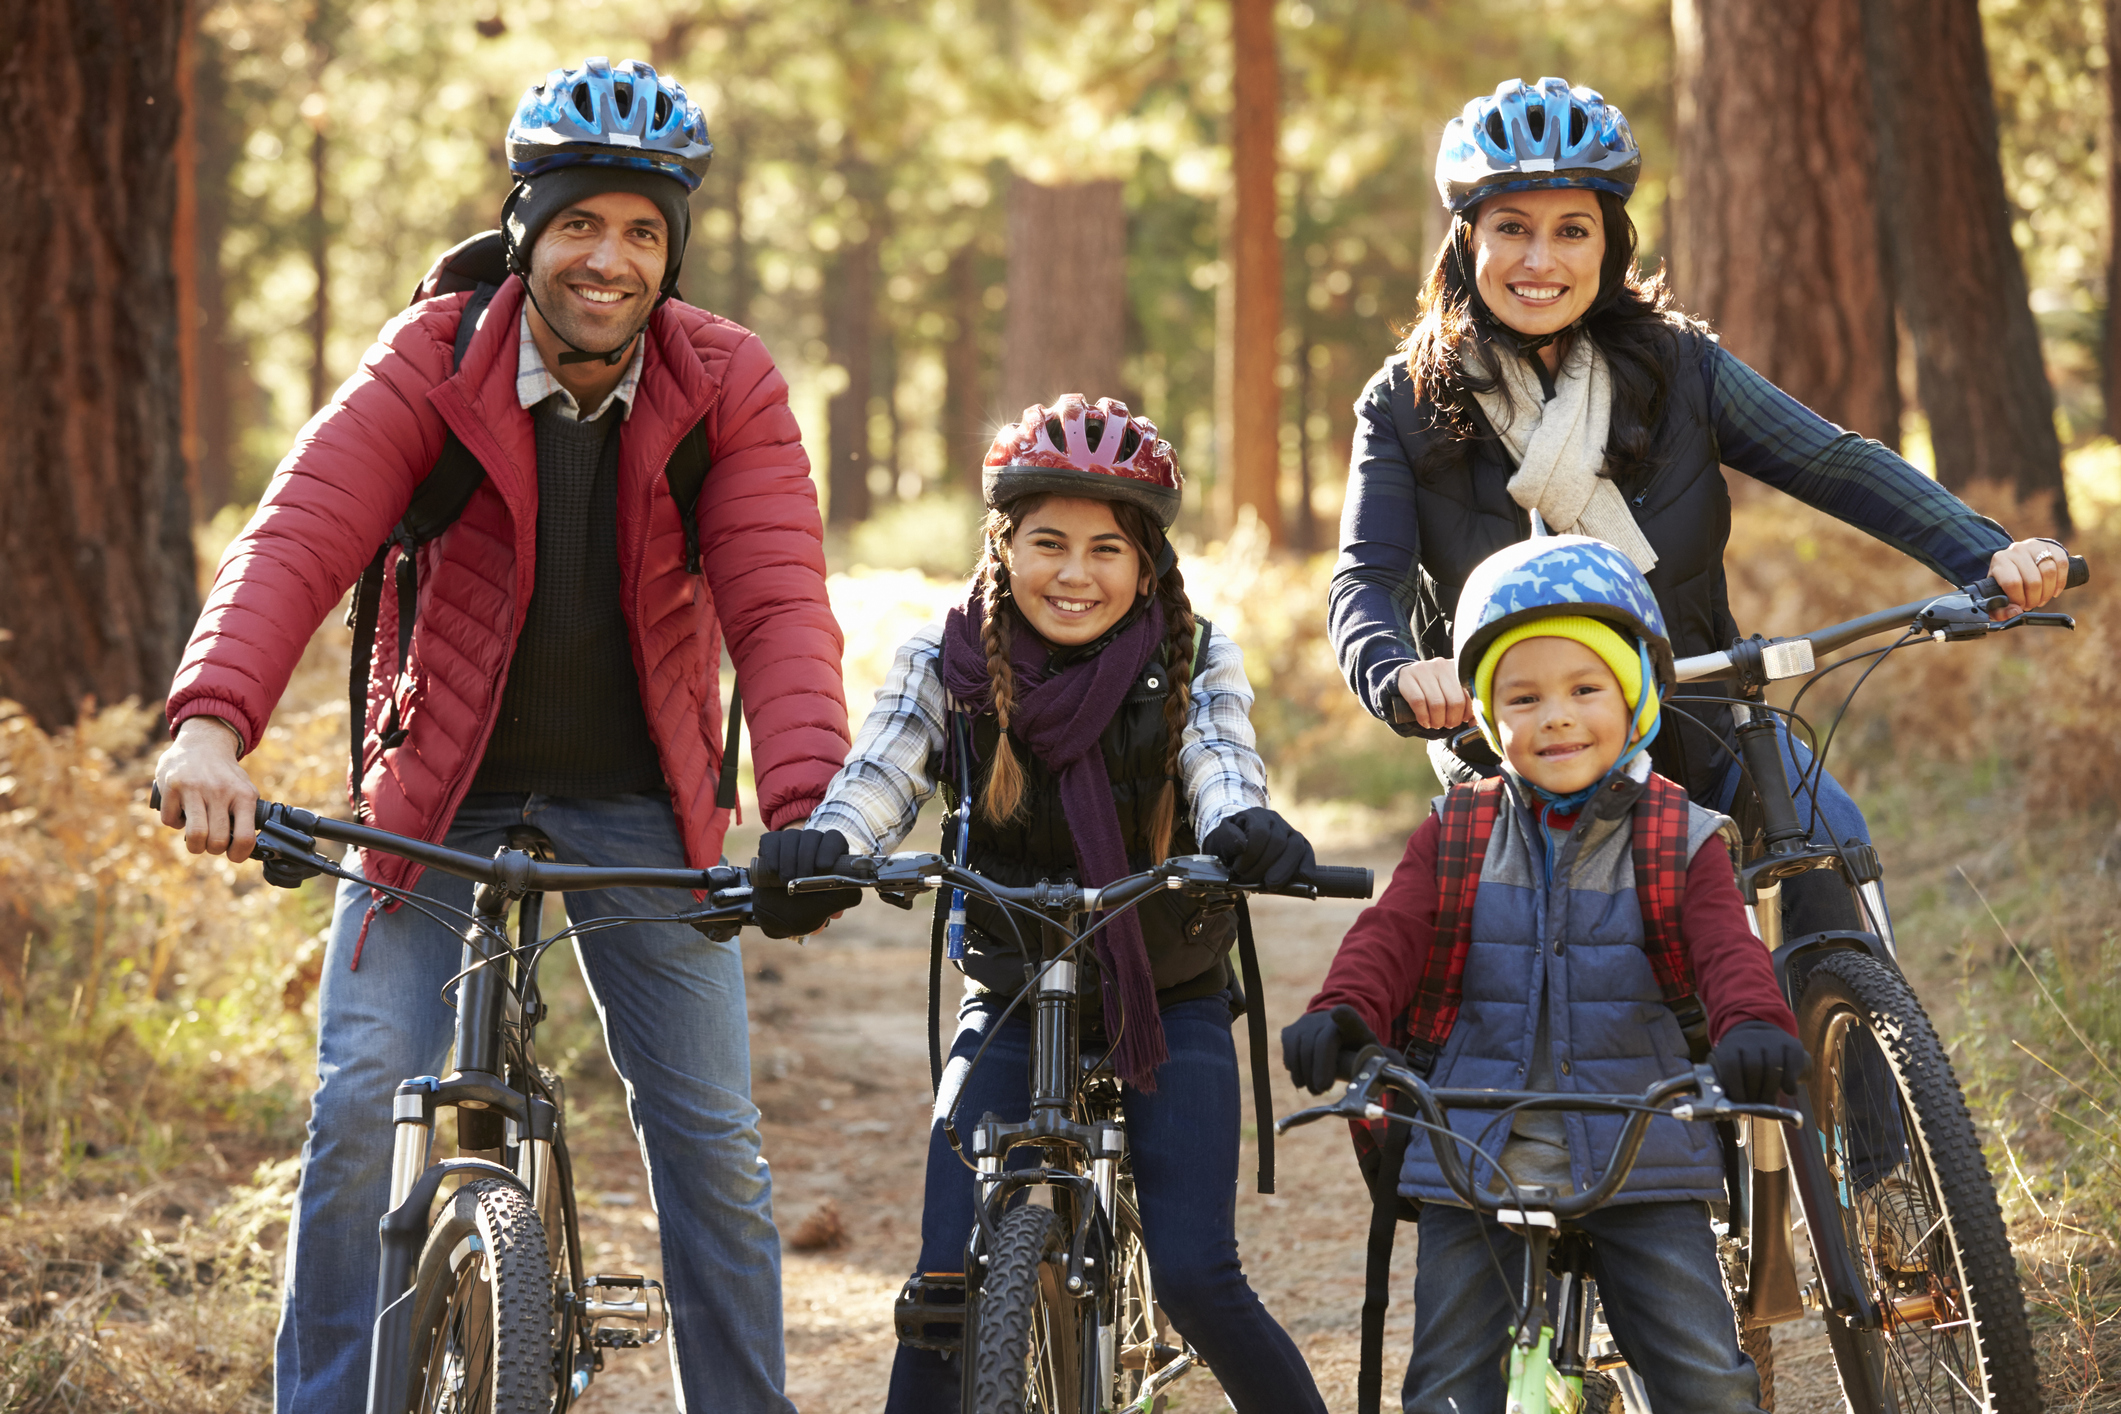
point(1376, 1071)
point(290, 832)
point(1960, 614)
point(910, 873)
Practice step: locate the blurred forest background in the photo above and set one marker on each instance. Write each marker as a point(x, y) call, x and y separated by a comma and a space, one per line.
point(935, 212)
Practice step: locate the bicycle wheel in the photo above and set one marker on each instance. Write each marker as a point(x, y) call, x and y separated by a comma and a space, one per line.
point(482, 1307)
point(1029, 1347)
point(1916, 1201)
point(1759, 1346)
point(1134, 1342)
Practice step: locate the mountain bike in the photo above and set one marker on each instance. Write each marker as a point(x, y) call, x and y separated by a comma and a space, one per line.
point(1553, 1362)
point(483, 1305)
point(1063, 1317)
point(1916, 1280)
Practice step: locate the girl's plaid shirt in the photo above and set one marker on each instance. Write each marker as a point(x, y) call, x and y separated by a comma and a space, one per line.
point(891, 771)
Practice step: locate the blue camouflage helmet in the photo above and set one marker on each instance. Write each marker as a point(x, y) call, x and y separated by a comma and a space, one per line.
point(604, 115)
point(1550, 576)
point(1520, 138)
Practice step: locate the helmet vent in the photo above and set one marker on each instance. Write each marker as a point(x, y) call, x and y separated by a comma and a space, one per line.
point(1056, 434)
point(1535, 122)
point(1495, 130)
point(622, 99)
point(584, 104)
point(662, 109)
point(1577, 124)
point(1129, 442)
point(1094, 429)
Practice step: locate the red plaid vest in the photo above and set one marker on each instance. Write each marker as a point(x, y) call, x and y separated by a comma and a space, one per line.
point(1469, 813)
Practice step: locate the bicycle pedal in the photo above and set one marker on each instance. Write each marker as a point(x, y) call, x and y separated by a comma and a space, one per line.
point(622, 1311)
point(929, 1300)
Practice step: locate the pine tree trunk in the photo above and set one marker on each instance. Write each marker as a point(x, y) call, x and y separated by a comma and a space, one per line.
point(1065, 329)
point(219, 381)
point(97, 583)
point(1776, 240)
point(1255, 131)
point(1956, 273)
point(966, 433)
point(850, 341)
point(2113, 224)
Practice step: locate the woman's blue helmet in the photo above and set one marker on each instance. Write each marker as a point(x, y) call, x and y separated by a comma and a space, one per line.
point(1551, 576)
point(601, 115)
point(1520, 138)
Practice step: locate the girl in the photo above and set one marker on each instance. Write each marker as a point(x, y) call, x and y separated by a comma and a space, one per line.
point(1099, 728)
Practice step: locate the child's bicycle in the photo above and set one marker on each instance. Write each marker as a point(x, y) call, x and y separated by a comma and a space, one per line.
point(1063, 1317)
point(1915, 1276)
point(483, 1304)
point(1552, 1367)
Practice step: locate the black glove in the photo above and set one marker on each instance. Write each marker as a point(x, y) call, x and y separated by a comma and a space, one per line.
point(1312, 1046)
point(1259, 847)
point(797, 854)
point(1757, 1062)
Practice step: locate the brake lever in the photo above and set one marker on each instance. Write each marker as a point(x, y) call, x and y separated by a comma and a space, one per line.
point(1716, 1103)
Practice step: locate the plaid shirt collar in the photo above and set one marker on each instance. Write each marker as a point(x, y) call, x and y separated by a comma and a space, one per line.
point(535, 383)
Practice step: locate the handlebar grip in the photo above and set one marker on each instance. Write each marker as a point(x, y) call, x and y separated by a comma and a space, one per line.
point(154, 803)
point(2080, 573)
point(154, 799)
point(1339, 881)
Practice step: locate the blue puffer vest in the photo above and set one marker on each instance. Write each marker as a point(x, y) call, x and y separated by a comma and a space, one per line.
point(1574, 948)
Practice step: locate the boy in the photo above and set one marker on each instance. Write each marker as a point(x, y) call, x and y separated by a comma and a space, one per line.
point(1563, 649)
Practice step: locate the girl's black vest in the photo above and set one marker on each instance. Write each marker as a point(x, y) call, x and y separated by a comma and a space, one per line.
point(1681, 503)
point(1187, 943)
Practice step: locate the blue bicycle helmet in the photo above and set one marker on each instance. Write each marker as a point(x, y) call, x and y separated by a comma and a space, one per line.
point(604, 116)
point(1551, 576)
point(1521, 138)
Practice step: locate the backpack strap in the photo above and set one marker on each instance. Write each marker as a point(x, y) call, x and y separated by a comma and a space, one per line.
point(686, 474)
point(436, 503)
point(1469, 813)
point(1660, 857)
point(1387, 1210)
point(1256, 1036)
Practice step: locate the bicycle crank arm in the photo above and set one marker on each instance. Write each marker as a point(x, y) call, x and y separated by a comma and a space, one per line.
point(1162, 1380)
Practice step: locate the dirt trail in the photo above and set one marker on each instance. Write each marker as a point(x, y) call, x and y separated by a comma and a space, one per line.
point(841, 1076)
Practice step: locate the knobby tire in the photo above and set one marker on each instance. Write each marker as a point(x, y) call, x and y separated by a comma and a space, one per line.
point(482, 1307)
point(1028, 1349)
point(1921, 1216)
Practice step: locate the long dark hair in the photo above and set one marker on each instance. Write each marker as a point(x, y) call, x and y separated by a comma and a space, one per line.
point(1453, 349)
point(1004, 793)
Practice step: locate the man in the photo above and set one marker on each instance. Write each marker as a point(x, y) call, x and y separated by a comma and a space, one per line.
point(562, 674)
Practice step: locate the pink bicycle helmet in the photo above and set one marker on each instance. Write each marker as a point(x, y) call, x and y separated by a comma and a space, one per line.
point(1079, 448)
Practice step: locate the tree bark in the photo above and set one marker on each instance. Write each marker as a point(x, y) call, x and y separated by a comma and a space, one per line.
point(2112, 367)
point(1960, 284)
point(850, 341)
point(1066, 327)
point(966, 433)
point(1255, 132)
point(1776, 239)
point(97, 583)
point(219, 382)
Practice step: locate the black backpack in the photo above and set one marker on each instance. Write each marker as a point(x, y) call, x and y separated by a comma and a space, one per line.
point(480, 265)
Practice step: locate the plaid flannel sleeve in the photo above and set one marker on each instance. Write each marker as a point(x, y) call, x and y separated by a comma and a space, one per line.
point(890, 771)
point(1218, 756)
point(1770, 436)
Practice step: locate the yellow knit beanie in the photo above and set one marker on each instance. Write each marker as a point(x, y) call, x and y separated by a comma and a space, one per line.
point(1623, 657)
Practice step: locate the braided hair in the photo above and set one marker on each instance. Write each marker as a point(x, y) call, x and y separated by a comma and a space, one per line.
point(1004, 792)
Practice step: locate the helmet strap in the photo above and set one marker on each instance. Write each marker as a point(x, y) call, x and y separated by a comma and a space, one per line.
point(520, 264)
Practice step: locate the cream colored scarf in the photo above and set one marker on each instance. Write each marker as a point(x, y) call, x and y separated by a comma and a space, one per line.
point(1560, 445)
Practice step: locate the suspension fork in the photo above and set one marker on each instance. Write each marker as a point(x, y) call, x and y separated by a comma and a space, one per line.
point(1057, 1046)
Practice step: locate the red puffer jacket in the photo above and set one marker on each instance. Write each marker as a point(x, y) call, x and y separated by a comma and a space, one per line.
point(351, 475)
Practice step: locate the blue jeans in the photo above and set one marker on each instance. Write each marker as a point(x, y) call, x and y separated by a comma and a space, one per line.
point(672, 1005)
point(1657, 1276)
point(1183, 1143)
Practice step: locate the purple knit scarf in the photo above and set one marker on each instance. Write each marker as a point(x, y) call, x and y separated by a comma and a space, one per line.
point(1061, 718)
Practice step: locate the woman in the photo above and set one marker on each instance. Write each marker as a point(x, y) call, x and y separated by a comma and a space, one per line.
point(1549, 387)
